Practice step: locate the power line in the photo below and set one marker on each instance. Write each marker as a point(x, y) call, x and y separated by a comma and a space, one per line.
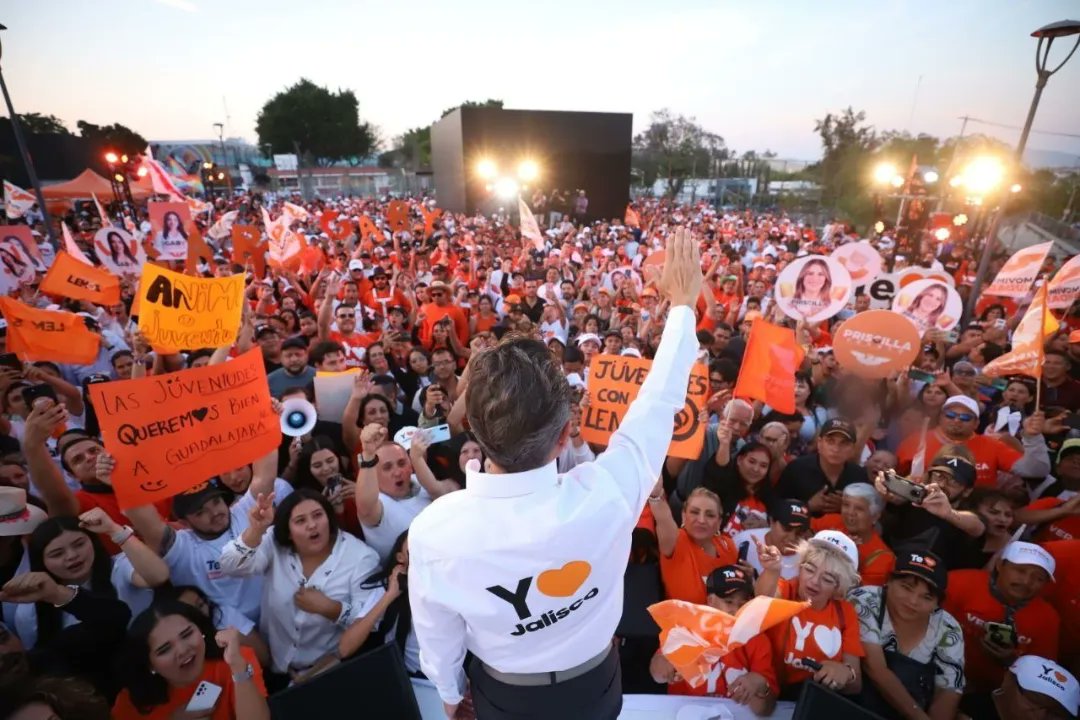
point(1014, 127)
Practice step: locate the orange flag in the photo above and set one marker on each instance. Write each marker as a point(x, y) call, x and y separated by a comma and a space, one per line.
point(1026, 357)
point(632, 219)
point(48, 335)
point(694, 637)
point(769, 365)
point(69, 278)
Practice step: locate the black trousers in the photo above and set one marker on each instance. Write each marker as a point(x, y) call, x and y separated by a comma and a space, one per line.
point(596, 695)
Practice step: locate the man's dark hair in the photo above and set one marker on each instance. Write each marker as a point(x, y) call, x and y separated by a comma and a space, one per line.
point(323, 348)
point(196, 355)
point(723, 326)
point(704, 337)
point(991, 351)
point(726, 368)
point(1063, 356)
point(518, 403)
point(573, 354)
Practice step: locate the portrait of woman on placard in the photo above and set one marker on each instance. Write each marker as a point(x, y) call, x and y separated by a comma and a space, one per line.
point(171, 241)
point(927, 306)
point(812, 289)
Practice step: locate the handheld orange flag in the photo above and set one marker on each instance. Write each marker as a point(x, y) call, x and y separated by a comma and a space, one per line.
point(69, 278)
point(1028, 342)
point(769, 365)
point(48, 335)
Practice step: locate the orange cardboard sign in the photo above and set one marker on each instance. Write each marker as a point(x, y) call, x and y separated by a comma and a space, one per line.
point(34, 334)
point(172, 432)
point(335, 226)
point(397, 216)
point(430, 216)
point(614, 382)
point(367, 229)
point(876, 343)
point(69, 278)
point(246, 246)
point(197, 250)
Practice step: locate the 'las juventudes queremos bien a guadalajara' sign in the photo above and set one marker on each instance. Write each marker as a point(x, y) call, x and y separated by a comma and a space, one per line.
point(614, 382)
point(172, 432)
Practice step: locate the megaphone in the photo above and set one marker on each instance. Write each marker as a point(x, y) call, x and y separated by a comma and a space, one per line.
point(298, 417)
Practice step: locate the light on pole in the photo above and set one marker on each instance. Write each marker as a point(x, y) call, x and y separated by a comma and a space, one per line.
point(1046, 35)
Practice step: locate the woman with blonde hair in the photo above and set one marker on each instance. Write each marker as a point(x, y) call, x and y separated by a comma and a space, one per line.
point(690, 553)
point(821, 642)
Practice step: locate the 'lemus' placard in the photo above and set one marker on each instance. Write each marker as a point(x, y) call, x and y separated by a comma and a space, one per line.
point(178, 312)
point(614, 382)
point(171, 432)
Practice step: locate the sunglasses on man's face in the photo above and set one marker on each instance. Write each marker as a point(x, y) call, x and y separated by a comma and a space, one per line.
point(346, 316)
point(962, 417)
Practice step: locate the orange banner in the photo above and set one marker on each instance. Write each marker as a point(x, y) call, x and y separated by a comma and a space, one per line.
point(69, 278)
point(1019, 271)
point(34, 334)
point(614, 382)
point(172, 432)
point(768, 368)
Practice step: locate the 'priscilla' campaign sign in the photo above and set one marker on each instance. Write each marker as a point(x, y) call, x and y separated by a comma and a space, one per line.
point(172, 432)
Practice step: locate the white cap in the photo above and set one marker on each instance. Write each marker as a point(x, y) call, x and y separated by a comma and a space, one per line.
point(963, 400)
point(1025, 553)
point(356, 264)
point(1046, 677)
point(842, 542)
point(586, 337)
point(575, 380)
point(631, 352)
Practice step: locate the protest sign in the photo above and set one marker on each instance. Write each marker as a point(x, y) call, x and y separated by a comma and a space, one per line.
point(614, 382)
point(875, 344)
point(929, 305)
point(178, 312)
point(247, 246)
point(915, 274)
point(70, 279)
point(336, 227)
point(397, 216)
point(198, 251)
point(171, 223)
point(1065, 285)
point(34, 334)
point(430, 216)
point(20, 257)
point(813, 288)
point(1019, 271)
point(861, 260)
point(118, 252)
point(171, 432)
point(332, 391)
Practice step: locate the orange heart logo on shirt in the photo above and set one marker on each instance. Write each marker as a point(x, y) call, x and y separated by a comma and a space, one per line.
point(565, 581)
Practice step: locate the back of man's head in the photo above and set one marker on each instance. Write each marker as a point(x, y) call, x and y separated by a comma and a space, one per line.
point(518, 403)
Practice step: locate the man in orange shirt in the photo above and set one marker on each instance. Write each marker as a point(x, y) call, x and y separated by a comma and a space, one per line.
point(1003, 617)
point(355, 343)
point(440, 307)
point(1058, 515)
point(381, 296)
point(959, 423)
point(1064, 594)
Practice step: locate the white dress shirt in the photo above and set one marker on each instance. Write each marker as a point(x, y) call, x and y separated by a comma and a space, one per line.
point(296, 637)
point(526, 569)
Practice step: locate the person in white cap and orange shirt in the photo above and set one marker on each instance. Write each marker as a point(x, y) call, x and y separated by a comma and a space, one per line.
point(822, 642)
point(1003, 616)
point(959, 424)
point(1035, 687)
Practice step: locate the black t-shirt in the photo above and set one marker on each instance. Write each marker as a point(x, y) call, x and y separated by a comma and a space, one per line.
point(725, 482)
point(911, 526)
point(534, 312)
point(803, 478)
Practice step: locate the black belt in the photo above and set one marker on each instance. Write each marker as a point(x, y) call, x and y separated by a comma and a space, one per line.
point(546, 678)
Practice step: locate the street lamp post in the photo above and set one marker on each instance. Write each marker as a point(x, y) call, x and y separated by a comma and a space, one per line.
point(1046, 34)
point(20, 140)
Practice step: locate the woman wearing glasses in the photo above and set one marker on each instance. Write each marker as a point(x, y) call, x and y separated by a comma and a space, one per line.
point(822, 642)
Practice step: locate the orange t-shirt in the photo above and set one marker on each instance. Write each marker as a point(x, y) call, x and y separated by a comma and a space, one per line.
point(216, 672)
point(484, 324)
point(991, 455)
point(356, 346)
point(876, 560)
point(1066, 528)
point(1064, 594)
point(684, 573)
point(970, 602)
point(755, 656)
point(826, 634)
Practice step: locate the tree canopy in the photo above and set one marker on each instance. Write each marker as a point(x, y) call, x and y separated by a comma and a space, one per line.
point(325, 124)
point(115, 137)
point(39, 124)
point(676, 147)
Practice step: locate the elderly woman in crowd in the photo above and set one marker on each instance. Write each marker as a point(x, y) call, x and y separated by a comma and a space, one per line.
point(860, 509)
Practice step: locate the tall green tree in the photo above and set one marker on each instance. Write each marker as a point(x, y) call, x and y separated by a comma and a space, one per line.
point(39, 124)
point(847, 142)
point(115, 137)
point(325, 124)
point(676, 147)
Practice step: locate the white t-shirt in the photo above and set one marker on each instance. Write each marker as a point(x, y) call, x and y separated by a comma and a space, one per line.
point(396, 518)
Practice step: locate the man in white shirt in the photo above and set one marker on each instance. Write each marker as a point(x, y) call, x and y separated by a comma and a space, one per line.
point(388, 496)
point(524, 567)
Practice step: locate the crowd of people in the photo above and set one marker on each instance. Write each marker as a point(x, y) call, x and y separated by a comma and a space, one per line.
point(940, 569)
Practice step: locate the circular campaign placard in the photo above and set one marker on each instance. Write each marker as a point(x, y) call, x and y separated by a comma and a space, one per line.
point(875, 344)
point(118, 251)
point(813, 288)
point(929, 305)
point(915, 274)
point(861, 260)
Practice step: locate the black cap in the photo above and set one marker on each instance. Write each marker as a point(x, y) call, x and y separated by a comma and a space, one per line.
point(838, 426)
point(263, 329)
point(791, 513)
point(384, 379)
point(295, 342)
point(924, 565)
point(378, 272)
point(959, 468)
point(398, 308)
point(728, 579)
point(189, 502)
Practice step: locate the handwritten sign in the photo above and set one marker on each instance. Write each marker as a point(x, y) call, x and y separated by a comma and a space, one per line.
point(172, 432)
point(614, 382)
point(48, 335)
point(179, 312)
point(70, 279)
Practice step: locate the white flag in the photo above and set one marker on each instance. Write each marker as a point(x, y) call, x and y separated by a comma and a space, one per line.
point(223, 227)
point(105, 221)
point(529, 228)
point(161, 180)
point(71, 248)
point(16, 200)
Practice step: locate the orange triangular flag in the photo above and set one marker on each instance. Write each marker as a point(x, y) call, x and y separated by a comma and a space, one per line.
point(48, 335)
point(1028, 342)
point(769, 364)
point(71, 279)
